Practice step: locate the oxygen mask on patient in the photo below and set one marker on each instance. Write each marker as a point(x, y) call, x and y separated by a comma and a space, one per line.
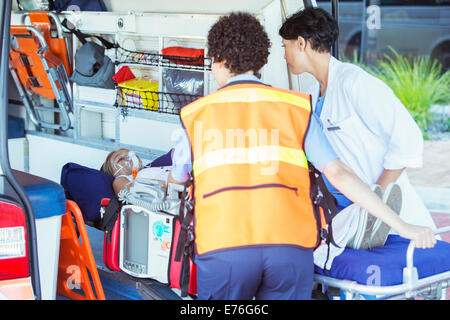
point(127, 164)
point(134, 162)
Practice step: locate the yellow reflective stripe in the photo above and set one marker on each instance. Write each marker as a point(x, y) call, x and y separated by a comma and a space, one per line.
point(247, 95)
point(253, 155)
point(293, 156)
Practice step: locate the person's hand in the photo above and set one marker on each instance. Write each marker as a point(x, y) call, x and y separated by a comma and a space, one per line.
point(423, 237)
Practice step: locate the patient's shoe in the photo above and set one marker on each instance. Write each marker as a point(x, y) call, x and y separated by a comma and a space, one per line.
point(393, 198)
point(366, 223)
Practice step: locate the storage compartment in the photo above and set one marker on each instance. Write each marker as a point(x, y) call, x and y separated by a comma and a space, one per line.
point(176, 58)
point(163, 102)
point(178, 74)
point(144, 115)
point(140, 93)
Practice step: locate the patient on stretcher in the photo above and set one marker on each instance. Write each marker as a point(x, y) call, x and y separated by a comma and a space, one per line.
point(127, 168)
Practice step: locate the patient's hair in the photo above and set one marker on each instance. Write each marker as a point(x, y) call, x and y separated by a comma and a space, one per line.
point(108, 166)
point(239, 40)
point(315, 25)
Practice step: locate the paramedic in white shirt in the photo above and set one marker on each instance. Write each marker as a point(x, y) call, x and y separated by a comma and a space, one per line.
point(367, 126)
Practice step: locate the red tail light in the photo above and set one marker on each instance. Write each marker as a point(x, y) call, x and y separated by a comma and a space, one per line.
point(13, 242)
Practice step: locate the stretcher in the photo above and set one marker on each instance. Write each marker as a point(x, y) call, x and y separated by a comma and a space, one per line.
point(395, 271)
point(39, 66)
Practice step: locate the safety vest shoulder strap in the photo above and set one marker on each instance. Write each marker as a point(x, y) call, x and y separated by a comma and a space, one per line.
point(240, 93)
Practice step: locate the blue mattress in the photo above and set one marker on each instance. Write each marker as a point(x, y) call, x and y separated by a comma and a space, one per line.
point(384, 266)
point(47, 197)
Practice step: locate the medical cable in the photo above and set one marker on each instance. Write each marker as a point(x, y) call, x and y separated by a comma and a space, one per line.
point(126, 196)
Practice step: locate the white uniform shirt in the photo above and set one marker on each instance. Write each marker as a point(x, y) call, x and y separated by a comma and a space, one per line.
point(367, 125)
point(370, 130)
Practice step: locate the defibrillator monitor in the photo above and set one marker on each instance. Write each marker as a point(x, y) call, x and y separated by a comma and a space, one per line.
point(145, 242)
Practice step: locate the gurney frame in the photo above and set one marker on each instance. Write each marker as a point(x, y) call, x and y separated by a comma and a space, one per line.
point(432, 287)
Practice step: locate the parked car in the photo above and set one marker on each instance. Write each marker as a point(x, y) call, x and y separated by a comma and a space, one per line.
point(412, 27)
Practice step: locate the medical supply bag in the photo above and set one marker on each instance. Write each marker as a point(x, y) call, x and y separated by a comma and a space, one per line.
point(179, 278)
point(325, 207)
point(111, 247)
point(111, 233)
point(185, 248)
point(93, 68)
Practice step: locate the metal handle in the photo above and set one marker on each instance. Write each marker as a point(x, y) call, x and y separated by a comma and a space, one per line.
point(52, 15)
point(412, 246)
point(410, 274)
point(39, 36)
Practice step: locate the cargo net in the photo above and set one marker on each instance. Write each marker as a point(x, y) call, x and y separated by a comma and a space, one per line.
point(162, 102)
point(154, 59)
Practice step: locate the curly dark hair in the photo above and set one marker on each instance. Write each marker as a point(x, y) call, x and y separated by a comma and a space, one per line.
point(313, 24)
point(239, 40)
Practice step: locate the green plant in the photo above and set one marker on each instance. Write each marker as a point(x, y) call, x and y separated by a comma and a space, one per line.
point(417, 82)
point(447, 125)
point(356, 60)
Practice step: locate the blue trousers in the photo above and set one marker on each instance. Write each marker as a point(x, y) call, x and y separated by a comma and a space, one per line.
point(266, 273)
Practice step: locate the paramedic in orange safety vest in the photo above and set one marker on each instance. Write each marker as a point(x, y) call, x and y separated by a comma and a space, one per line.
point(248, 144)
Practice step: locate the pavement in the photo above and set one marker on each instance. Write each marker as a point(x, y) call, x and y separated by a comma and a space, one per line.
point(435, 172)
point(432, 182)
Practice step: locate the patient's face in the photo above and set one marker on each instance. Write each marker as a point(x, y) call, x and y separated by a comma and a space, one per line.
point(123, 161)
point(119, 160)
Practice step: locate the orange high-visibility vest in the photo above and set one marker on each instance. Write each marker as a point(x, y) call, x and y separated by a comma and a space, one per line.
point(251, 180)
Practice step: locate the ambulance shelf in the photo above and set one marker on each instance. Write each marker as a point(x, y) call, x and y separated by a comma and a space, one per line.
point(156, 101)
point(159, 60)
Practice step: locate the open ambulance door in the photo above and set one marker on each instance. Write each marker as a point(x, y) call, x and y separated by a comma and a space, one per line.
point(19, 272)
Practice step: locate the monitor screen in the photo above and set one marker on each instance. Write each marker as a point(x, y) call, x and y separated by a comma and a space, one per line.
point(136, 235)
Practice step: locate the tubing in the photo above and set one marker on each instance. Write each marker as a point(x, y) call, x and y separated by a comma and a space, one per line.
point(128, 197)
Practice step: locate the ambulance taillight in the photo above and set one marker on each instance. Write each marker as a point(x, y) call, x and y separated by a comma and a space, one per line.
point(13, 242)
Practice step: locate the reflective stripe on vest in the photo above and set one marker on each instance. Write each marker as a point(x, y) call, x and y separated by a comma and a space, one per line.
point(251, 180)
point(250, 155)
